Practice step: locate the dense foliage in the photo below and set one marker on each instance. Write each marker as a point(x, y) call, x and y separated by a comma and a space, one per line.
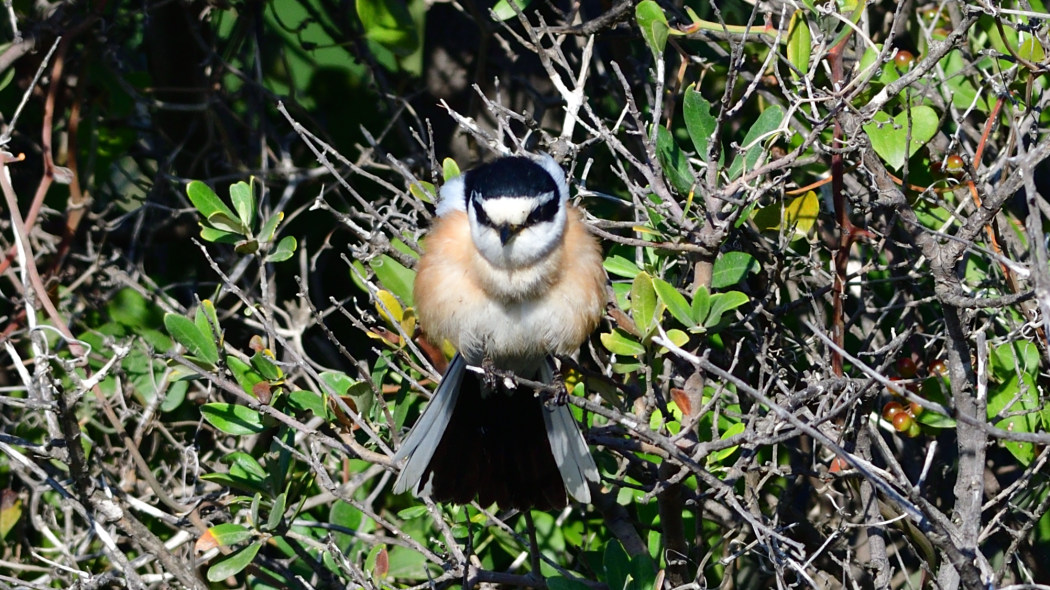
point(824, 362)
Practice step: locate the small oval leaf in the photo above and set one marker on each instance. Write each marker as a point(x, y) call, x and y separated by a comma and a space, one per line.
point(283, 251)
point(620, 343)
point(644, 308)
point(731, 268)
point(675, 302)
point(186, 333)
point(223, 535)
point(653, 24)
point(243, 202)
point(698, 120)
point(234, 564)
point(233, 418)
point(205, 200)
point(890, 136)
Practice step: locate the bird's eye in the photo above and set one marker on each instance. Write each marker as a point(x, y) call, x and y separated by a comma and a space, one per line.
point(479, 210)
point(544, 212)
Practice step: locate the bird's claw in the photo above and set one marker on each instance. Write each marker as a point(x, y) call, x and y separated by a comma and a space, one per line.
point(495, 378)
point(555, 393)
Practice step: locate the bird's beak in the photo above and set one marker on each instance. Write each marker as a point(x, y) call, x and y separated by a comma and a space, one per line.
point(506, 232)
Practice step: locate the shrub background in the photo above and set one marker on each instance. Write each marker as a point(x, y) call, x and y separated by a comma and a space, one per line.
point(212, 211)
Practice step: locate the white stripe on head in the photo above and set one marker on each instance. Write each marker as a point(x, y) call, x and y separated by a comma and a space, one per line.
point(512, 211)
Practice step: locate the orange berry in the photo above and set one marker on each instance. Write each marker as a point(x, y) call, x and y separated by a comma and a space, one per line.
point(915, 409)
point(891, 409)
point(903, 60)
point(913, 430)
point(902, 421)
point(906, 367)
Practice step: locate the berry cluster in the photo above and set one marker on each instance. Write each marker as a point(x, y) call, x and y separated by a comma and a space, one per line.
point(900, 412)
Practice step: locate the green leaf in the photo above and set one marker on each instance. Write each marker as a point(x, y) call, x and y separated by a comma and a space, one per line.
point(1007, 359)
point(206, 201)
point(233, 418)
point(617, 565)
point(128, 308)
point(247, 247)
point(653, 24)
point(10, 509)
point(505, 9)
point(1020, 400)
point(223, 222)
point(755, 141)
point(964, 93)
point(799, 43)
point(234, 564)
point(207, 321)
point(1031, 50)
point(247, 467)
point(643, 572)
point(424, 191)
point(731, 268)
point(388, 23)
point(229, 534)
point(263, 363)
point(888, 72)
point(698, 120)
point(309, 401)
point(799, 215)
point(186, 333)
point(677, 337)
point(644, 309)
point(449, 169)
point(277, 512)
point(675, 302)
point(237, 483)
point(621, 267)
point(243, 202)
point(174, 396)
point(395, 277)
point(701, 304)
point(269, 228)
point(673, 161)
point(338, 382)
point(245, 375)
point(361, 393)
point(890, 136)
point(718, 456)
point(412, 512)
point(283, 251)
point(722, 303)
point(5, 79)
point(620, 343)
point(389, 307)
point(218, 236)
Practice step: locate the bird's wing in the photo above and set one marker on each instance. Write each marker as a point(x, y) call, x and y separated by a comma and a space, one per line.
point(570, 451)
point(423, 440)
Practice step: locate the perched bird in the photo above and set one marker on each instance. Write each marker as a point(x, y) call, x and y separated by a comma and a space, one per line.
point(510, 276)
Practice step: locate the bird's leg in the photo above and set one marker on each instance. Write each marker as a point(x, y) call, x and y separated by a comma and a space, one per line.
point(555, 393)
point(494, 378)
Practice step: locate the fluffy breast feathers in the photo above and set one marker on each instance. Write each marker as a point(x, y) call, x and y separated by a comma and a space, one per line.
point(510, 316)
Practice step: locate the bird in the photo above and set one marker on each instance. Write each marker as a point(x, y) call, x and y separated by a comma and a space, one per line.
point(511, 276)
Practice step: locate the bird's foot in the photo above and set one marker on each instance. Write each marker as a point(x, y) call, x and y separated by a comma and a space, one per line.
point(555, 393)
point(495, 378)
